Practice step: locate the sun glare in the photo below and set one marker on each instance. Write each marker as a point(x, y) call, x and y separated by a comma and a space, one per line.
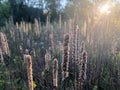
point(105, 9)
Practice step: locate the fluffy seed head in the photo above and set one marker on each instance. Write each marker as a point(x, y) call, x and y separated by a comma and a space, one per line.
point(55, 73)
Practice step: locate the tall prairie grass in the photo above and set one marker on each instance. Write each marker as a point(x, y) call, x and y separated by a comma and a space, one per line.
point(87, 58)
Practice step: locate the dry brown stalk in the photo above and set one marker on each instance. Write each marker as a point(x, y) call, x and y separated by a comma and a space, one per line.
point(65, 61)
point(47, 59)
point(1, 57)
point(21, 31)
point(55, 73)
point(28, 61)
point(37, 32)
point(82, 75)
point(47, 22)
point(74, 44)
point(4, 44)
point(29, 27)
point(26, 29)
point(23, 26)
point(17, 26)
point(75, 51)
point(51, 44)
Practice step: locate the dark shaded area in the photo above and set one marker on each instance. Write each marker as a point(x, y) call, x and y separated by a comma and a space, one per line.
point(20, 10)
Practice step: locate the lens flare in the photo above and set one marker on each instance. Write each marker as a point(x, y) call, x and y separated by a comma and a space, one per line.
point(105, 9)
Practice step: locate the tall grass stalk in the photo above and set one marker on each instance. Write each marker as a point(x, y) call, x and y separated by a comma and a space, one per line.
point(4, 44)
point(65, 61)
point(55, 74)
point(28, 60)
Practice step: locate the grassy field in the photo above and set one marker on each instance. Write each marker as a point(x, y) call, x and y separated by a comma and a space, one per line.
point(69, 55)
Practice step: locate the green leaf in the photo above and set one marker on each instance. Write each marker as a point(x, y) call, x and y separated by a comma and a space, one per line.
point(95, 87)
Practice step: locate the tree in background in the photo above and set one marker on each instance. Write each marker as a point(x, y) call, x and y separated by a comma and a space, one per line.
point(78, 7)
point(53, 7)
point(28, 10)
point(4, 12)
point(22, 10)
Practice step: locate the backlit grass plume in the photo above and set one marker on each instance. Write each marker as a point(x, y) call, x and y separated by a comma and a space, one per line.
point(28, 61)
point(55, 74)
point(51, 44)
point(65, 61)
point(37, 32)
point(1, 57)
point(82, 75)
point(82, 48)
point(4, 44)
point(47, 59)
point(74, 44)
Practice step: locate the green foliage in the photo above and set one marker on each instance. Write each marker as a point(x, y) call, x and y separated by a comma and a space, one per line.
point(80, 8)
point(95, 87)
point(103, 68)
point(54, 8)
point(4, 13)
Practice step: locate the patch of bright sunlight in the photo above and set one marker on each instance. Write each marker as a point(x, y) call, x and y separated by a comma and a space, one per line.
point(105, 9)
